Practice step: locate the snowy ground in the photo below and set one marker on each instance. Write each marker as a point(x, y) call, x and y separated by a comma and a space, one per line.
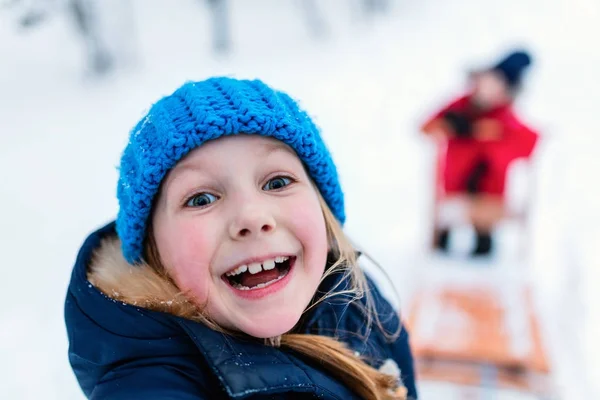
point(369, 83)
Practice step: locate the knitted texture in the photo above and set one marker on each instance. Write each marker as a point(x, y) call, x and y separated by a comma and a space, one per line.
point(201, 111)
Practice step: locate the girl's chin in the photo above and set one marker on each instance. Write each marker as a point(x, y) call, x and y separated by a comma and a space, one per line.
point(269, 328)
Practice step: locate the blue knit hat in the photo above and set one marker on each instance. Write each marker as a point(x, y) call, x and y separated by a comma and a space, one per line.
point(201, 111)
point(512, 67)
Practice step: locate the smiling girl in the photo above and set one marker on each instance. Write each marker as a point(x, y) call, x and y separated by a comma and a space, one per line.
point(227, 273)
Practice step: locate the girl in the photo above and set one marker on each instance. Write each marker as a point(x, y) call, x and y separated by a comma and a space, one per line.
point(226, 273)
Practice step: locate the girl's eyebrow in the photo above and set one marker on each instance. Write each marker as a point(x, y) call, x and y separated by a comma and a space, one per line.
point(174, 173)
point(272, 147)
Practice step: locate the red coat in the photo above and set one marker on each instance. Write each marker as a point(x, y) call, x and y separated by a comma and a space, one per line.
point(498, 139)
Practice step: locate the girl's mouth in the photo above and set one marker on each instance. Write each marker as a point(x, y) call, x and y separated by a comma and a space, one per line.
point(259, 275)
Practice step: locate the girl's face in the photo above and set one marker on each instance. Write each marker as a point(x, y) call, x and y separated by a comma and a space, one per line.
point(490, 90)
point(239, 227)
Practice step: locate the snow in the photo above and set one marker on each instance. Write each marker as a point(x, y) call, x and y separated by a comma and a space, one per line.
point(368, 83)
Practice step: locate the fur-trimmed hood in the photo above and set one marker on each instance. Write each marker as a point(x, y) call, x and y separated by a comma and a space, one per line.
point(134, 335)
point(138, 285)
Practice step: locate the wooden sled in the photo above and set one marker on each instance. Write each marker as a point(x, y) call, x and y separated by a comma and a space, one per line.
point(465, 336)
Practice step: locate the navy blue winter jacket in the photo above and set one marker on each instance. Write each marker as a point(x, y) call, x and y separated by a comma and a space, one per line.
point(120, 351)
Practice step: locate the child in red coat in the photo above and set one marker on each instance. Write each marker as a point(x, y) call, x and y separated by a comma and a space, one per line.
point(482, 136)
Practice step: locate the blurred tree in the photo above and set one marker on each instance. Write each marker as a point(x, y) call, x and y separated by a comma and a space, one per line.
point(375, 6)
point(221, 35)
point(314, 18)
point(85, 17)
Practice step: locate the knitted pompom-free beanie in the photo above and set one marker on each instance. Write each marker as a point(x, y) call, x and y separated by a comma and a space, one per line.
point(201, 111)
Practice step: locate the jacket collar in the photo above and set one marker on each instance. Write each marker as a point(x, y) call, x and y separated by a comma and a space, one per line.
point(246, 367)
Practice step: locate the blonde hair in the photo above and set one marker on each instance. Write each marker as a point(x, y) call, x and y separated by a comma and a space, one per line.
point(330, 353)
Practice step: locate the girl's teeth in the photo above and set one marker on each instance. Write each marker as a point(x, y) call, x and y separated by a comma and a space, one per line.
point(268, 265)
point(254, 268)
point(238, 270)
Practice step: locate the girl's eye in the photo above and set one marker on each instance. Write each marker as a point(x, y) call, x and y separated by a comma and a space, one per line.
point(277, 183)
point(201, 200)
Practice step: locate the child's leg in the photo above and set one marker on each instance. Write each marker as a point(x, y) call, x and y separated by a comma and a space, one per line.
point(441, 239)
point(483, 244)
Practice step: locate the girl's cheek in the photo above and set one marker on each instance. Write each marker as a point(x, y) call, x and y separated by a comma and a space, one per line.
point(310, 220)
point(310, 227)
point(194, 279)
point(191, 259)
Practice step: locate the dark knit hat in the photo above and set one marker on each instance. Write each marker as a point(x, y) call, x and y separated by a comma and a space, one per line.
point(512, 67)
point(201, 111)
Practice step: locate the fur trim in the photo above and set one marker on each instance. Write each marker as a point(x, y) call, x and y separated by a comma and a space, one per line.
point(138, 285)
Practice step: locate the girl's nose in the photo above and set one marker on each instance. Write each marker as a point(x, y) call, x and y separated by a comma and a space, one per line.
point(251, 222)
